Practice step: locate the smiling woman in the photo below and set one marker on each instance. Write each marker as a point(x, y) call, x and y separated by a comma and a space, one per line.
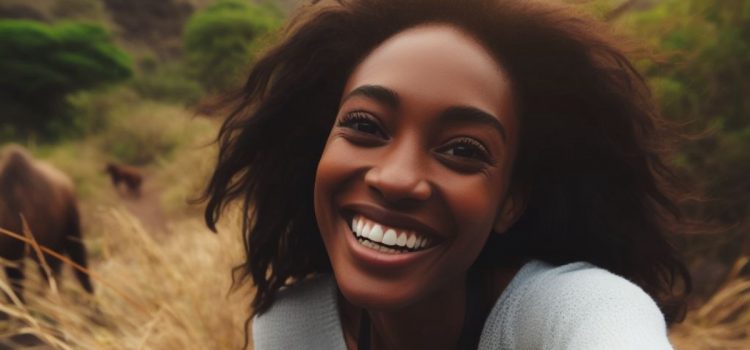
point(442, 174)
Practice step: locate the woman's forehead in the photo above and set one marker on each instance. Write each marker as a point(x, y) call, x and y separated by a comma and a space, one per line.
point(437, 65)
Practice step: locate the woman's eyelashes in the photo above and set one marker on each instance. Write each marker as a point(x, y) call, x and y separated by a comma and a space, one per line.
point(466, 149)
point(363, 123)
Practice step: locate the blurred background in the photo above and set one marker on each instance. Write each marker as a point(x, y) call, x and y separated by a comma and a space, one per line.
point(107, 92)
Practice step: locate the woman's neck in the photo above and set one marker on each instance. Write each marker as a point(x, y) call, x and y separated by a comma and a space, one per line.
point(434, 322)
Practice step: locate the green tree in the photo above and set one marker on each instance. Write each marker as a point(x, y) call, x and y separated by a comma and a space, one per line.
point(41, 65)
point(220, 41)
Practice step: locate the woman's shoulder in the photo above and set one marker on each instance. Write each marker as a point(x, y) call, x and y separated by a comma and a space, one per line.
point(315, 289)
point(575, 306)
point(577, 283)
point(303, 316)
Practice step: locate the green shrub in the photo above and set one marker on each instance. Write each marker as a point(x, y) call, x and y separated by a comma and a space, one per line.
point(40, 65)
point(221, 40)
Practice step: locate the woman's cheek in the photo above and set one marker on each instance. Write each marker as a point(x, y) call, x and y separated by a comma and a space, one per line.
point(473, 200)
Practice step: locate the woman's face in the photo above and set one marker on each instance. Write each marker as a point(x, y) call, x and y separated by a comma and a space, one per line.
point(415, 172)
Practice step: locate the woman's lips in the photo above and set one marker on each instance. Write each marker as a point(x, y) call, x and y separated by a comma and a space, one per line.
point(380, 238)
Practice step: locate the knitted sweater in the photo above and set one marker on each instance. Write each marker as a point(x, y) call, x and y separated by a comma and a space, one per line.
point(575, 306)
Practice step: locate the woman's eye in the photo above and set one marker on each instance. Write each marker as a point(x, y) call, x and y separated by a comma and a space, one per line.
point(362, 122)
point(466, 149)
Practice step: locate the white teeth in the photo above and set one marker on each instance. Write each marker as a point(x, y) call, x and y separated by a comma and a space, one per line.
point(401, 239)
point(376, 234)
point(412, 239)
point(381, 248)
point(366, 230)
point(390, 237)
point(390, 241)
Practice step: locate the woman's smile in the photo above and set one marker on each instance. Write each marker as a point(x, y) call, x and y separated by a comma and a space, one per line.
point(380, 239)
point(380, 252)
point(390, 232)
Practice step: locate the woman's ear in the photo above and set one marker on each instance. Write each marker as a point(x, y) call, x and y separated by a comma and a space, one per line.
point(509, 212)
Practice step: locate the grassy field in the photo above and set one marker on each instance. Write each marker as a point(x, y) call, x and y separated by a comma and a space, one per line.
point(169, 290)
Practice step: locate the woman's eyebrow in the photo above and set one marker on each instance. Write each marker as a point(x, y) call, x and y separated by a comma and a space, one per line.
point(379, 93)
point(465, 114)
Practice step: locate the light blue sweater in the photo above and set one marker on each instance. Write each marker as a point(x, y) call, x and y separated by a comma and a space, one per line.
point(575, 306)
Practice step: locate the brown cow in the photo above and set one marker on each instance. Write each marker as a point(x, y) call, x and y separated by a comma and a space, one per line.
point(46, 199)
point(130, 176)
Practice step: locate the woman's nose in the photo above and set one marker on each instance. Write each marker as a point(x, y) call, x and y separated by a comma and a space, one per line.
point(400, 176)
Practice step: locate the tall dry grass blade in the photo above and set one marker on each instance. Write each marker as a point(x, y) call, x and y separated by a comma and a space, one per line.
point(737, 268)
point(42, 260)
point(46, 337)
point(149, 330)
point(725, 302)
point(11, 294)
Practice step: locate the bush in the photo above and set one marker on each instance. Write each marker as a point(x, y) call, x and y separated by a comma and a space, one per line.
point(221, 40)
point(40, 65)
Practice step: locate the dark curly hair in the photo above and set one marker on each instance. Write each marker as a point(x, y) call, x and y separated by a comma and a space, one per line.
point(592, 155)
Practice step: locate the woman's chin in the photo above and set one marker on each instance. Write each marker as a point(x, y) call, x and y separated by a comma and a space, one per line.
point(376, 295)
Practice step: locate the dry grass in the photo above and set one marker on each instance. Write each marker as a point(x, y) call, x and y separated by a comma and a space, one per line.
point(151, 294)
point(722, 323)
point(171, 293)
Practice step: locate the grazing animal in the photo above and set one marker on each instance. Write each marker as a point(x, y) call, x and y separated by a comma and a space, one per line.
point(130, 176)
point(46, 199)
